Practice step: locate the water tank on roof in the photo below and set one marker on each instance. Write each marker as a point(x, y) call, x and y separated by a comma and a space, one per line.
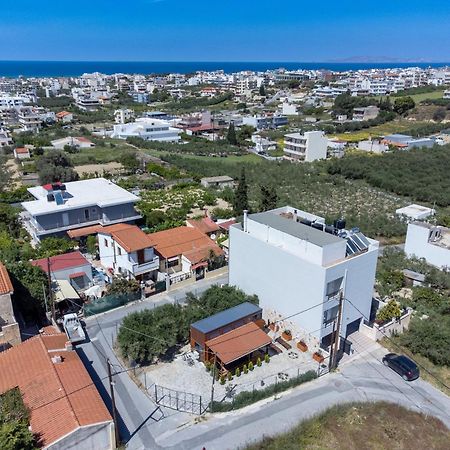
point(318, 226)
point(306, 222)
point(339, 224)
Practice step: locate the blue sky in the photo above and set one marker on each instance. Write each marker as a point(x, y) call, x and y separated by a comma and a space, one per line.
point(230, 30)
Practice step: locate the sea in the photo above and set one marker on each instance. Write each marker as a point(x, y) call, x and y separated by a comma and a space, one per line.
point(77, 68)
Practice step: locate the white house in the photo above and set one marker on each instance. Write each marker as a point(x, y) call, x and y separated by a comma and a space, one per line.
point(336, 148)
point(430, 242)
point(126, 250)
point(79, 142)
point(308, 146)
point(365, 113)
point(22, 153)
point(148, 129)
point(293, 262)
point(373, 146)
point(64, 117)
point(415, 212)
point(123, 115)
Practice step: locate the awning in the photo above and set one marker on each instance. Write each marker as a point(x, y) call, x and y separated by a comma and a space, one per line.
point(77, 275)
point(64, 290)
point(85, 231)
point(200, 264)
point(238, 343)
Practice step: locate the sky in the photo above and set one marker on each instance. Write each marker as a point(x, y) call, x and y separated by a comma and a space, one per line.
point(229, 30)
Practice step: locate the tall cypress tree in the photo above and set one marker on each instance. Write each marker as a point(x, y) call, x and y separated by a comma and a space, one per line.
point(231, 135)
point(268, 197)
point(262, 90)
point(241, 195)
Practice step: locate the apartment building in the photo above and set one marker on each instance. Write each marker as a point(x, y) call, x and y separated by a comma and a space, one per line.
point(365, 113)
point(295, 262)
point(58, 207)
point(308, 146)
point(147, 129)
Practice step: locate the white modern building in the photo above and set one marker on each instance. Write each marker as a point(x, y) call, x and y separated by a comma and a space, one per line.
point(308, 146)
point(415, 212)
point(373, 146)
point(365, 113)
point(126, 250)
point(430, 242)
point(148, 129)
point(123, 115)
point(294, 262)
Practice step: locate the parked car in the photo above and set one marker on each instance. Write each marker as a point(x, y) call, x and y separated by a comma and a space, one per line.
point(404, 366)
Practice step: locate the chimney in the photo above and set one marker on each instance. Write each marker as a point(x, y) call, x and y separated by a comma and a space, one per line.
point(57, 359)
point(68, 346)
point(245, 220)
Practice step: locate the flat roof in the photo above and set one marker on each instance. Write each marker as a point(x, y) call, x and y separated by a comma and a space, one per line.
point(414, 209)
point(239, 342)
point(226, 317)
point(296, 229)
point(84, 193)
point(217, 179)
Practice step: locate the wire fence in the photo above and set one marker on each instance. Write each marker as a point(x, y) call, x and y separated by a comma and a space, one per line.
point(109, 302)
point(178, 400)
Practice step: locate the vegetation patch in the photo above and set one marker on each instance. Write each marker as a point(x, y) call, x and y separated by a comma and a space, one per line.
point(369, 426)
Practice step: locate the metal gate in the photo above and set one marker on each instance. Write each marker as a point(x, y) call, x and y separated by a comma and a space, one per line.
point(178, 400)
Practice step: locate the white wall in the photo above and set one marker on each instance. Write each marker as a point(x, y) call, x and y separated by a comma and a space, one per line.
point(288, 284)
point(417, 245)
point(316, 145)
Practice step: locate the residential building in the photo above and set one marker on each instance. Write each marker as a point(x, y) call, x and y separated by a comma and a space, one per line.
point(29, 119)
point(294, 262)
point(446, 95)
point(87, 103)
point(59, 207)
point(258, 122)
point(336, 148)
point(183, 252)
point(126, 250)
point(79, 142)
point(147, 129)
point(403, 141)
point(415, 212)
point(206, 225)
point(365, 113)
point(5, 139)
point(206, 334)
point(64, 117)
point(123, 115)
point(72, 267)
point(290, 109)
point(430, 242)
point(219, 182)
point(21, 153)
point(373, 145)
point(308, 146)
point(263, 145)
point(66, 410)
point(9, 328)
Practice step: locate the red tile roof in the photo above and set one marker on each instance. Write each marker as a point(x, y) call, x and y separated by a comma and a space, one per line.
point(187, 241)
point(61, 262)
point(239, 342)
point(22, 150)
point(130, 237)
point(6, 286)
point(61, 396)
point(226, 225)
point(205, 225)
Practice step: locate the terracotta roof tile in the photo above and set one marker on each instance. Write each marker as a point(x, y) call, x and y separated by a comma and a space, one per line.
point(61, 396)
point(61, 262)
point(184, 241)
point(205, 225)
point(6, 286)
point(130, 237)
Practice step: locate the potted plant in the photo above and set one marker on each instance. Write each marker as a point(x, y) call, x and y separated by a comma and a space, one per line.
point(245, 368)
point(318, 356)
point(258, 362)
point(250, 366)
point(266, 358)
point(287, 335)
point(301, 345)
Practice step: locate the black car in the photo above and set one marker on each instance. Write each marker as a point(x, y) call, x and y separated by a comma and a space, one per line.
point(402, 365)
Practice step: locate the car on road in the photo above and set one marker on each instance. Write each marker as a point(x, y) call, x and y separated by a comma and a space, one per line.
point(401, 364)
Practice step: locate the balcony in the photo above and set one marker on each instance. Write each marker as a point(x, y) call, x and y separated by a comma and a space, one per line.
point(149, 266)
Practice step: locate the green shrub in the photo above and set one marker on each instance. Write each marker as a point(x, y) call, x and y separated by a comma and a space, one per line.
point(237, 372)
point(246, 398)
point(245, 368)
point(389, 311)
point(222, 379)
point(229, 376)
point(258, 362)
point(208, 366)
point(250, 366)
point(267, 358)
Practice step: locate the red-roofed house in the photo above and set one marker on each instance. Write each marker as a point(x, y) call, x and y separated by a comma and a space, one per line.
point(206, 225)
point(22, 153)
point(73, 267)
point(64, 117)
point(66, 410)
point(9, 329)
point(184, 252)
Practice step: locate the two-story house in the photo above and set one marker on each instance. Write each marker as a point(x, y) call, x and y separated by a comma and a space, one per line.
point(59, 207)
point(127, 250)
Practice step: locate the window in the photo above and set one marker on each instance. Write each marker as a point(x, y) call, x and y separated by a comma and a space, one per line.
point(334, 286)
point(106, 242)
point(86, 214)
point(119, 251)
point(172, 262)
point(330, 314)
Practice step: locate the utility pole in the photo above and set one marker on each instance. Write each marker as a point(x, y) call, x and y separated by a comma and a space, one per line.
point(330, 362)
point(113, 401)
point(338, 331)
point(50, 290)
point(212, 384)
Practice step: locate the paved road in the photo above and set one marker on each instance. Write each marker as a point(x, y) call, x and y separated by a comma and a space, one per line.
point(144, 426)
point(139, 417)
